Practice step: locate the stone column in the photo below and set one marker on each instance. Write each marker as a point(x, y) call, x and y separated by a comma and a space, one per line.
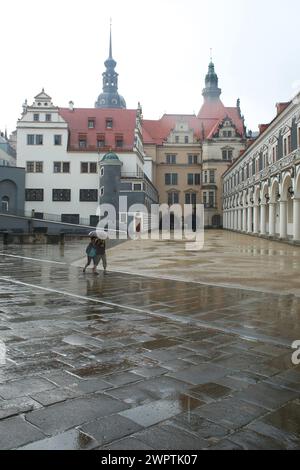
point(240, 219)
point(263, 219)
point(296, 224)
point(249, 219)
point(283, 219)
point(245, 219)
point(255, 221)
point(272, 219)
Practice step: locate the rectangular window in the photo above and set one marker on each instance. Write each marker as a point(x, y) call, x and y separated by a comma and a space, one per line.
point(186, 139)
point(109, 123)
point(137, 187)
point(119, 142)
point(93, 167)
point(101, 142)
point(57, 167)
point(61, 195)
point(167, 179)
point(171, 159)
point(212, 178)
point(91, 123)
point(190, 198)
point(88, 195)
point(34, 195)
point(205, 177)
point(84, 167)
point(39, 139)
point(48, 118)
point(70, 218)
point(57, 140)
point(39, 167)
point(198, 179)
point(66, 167)
point(211, 200)
point(192, 159)
point(82, 143)
point(289, 143)
point(177, 139)
point(190, 179)
point(94, 220)
point(30, 139)
point(173, 198)
point(30, 167)
point(36, 117)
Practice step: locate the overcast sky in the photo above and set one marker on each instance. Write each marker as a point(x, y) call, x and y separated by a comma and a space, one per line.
point(162, 49)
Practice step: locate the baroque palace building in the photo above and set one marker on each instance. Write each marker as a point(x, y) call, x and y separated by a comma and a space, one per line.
point(190, 153)
point(78, 158)
point(261, 190)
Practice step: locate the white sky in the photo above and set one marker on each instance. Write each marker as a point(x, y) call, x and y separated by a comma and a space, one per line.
point(162, 49)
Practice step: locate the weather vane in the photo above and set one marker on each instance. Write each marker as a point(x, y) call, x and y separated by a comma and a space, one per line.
point(211, 54)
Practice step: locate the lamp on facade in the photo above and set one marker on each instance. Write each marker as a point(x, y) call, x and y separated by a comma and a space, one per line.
point(291, 191)
point(267, 197)
point(278, 196)
point(259, 200)
point(252, 201)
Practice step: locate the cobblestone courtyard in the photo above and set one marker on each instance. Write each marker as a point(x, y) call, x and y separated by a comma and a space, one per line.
point(170, 350)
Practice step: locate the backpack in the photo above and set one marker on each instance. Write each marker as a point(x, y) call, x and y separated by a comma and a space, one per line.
point(92, 252)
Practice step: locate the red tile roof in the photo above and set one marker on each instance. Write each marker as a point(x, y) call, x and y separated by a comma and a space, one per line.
point(204, 125)
point(124, 123)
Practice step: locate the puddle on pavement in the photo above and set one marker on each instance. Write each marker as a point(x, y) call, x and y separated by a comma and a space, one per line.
point(72, 440)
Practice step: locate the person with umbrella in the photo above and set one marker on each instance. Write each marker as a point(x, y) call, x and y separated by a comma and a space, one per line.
point(96, 251)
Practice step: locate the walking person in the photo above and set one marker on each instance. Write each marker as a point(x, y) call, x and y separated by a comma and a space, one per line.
point(91, 254)
point(100, 247)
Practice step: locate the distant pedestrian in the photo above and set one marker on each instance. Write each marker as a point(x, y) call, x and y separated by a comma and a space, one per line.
point(91, 253)
point(100, 247)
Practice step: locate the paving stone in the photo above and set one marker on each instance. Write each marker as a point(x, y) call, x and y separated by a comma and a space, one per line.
point(287, 439)
point(249, 440)
point(24, 387)
point(230, 412)
point(56, 395)
point(71, 440)
point(63, 416)
point(15, 432)
point(266, 395)
point(192, 422)
point(286, 418)
point(201, 374)
point(153, 413)
point(158, 437)
point(17, 406)
point(111, 428)
point(130, 443)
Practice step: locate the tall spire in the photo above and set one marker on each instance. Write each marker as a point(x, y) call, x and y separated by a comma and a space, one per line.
point(211, 91)
point(110, 97)
point(110, 43)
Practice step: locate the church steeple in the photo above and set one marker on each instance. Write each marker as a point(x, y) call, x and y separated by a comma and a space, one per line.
point(211, 91)
point(110, 97)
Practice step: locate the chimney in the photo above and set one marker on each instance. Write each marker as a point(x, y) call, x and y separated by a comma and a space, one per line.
point(281, 107)
point(262, 128)
point(71, 106)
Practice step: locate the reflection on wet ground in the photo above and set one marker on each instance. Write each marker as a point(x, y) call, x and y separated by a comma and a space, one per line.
point(132, 362)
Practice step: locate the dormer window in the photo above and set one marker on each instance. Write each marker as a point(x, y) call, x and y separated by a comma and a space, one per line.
point(91, 123)
point(36, 117)
point(109, 123)
point(48, 117)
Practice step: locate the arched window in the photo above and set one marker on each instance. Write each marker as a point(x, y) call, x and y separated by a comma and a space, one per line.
point(4, 204)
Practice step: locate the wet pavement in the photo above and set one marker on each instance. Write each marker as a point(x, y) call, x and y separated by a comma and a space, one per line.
point(139, 360)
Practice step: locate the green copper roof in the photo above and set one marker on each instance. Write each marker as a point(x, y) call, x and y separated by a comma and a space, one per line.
point(110, 156)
